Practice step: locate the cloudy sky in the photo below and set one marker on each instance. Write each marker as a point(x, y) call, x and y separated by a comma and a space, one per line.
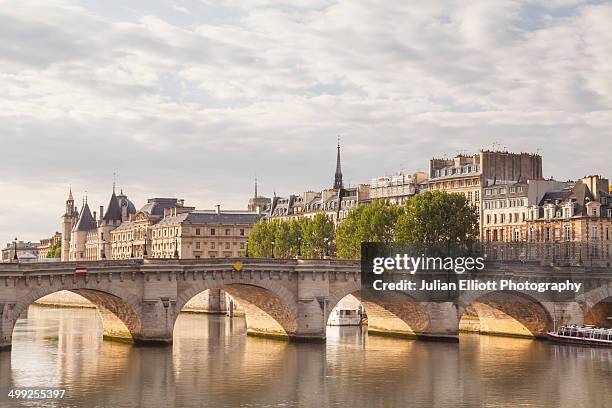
point(192, 98)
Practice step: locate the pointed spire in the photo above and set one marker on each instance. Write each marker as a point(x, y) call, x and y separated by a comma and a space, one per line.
point(255, 186)
point(338, 176)
point(70, 197)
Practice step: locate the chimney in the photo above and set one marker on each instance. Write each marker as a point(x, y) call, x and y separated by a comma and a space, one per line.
point(101, 212)
point(218, 209)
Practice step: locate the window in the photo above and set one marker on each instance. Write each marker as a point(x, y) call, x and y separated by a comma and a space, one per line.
point(567, 233)
point(227, 245)
point(594, 212)
point(242, 245)
point(242, 232)
point(227, 231)
point(212, 231)
point(595, 235)
point(197, 244)
point(212, 245)
point(197, 231)
point(547, 233)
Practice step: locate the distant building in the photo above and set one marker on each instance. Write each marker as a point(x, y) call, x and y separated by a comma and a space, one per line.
point(88, 238)
point(505, 207)
point(165, 228)
point(582, 213)
point(397, 188)
point(26, 252)
point(335, 202)
point(469, 175)
point(258, 203)
point(47, 243)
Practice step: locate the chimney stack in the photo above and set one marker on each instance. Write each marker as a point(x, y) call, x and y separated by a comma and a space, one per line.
point(101, 212)
point(218, 209)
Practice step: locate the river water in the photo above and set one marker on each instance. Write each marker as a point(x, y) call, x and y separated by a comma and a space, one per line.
point(214, 364)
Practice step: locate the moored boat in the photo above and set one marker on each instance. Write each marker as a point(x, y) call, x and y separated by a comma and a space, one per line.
point(346, 316)
point(583, 335)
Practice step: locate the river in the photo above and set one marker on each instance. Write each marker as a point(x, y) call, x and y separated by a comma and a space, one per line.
point(214, 364)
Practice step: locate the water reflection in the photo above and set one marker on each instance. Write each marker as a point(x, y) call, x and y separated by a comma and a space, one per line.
point(213, 363)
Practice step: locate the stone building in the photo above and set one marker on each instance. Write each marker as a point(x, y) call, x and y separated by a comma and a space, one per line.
point(89, 238)
point(505, 206)
point(582, 213)
point(258, 203)
point(26, 251)
point(166, 228)
point(469, 175)
point(397, 188)
point(335, 202)
point(47, 243)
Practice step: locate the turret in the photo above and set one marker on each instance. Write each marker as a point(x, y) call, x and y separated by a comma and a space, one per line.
point(67, 222)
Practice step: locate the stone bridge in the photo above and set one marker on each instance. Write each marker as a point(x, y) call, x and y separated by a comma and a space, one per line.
point(291, 299)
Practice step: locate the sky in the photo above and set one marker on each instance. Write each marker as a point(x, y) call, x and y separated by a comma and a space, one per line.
point(193, 98)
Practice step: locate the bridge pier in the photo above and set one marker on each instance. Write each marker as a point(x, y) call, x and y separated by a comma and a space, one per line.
point(7, 324)
point(157, 322)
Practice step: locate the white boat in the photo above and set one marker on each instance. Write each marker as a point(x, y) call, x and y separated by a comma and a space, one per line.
point(584, 335)
point(345, 316)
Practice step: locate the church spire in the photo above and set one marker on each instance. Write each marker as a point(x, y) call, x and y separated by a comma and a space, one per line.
point(338, 176)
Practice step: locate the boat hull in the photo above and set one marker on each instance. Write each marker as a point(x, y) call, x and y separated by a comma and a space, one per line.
point(579, 341)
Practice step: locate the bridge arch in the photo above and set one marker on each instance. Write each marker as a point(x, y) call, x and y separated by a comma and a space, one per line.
point(119, 309)
point(508, 313)
point(270, 308)
point(404, 317)
point(597, 305)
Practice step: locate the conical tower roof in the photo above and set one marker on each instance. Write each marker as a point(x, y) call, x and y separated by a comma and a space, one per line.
point(113, 211)
point(86, 221)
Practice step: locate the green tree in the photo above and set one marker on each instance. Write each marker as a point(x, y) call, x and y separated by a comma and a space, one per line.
point(373, 223)
point(437, 218)
point(55, 251)
point(317, 237)
point(260, 239)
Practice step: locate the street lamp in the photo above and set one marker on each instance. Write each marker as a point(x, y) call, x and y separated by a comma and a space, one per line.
point(15, 257)
point(272, 248)
point(176, 254)
point(246, 249)
point(132, 253)
point(299, 240)
point(144, 252)
point(326, 242)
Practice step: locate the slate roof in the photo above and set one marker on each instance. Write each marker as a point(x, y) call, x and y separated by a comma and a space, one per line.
point(86, 221)
point(113, 211)
point(212, 217)
point(156, 206)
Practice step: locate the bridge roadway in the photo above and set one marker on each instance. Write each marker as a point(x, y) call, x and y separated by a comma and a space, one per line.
point(140, 299)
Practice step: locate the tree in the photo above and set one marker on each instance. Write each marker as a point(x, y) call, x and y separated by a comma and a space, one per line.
point(317, 237)
point(260, 239)
point(437, 218)
point(55, 251)
point(374, 223)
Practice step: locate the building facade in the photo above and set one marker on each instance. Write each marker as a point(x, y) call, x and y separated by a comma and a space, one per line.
point(47, 243)
point(582, 213)
point(26, 251)
point(469, 175)
point(505, 207)
point(397, 188)
point(166, 228)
